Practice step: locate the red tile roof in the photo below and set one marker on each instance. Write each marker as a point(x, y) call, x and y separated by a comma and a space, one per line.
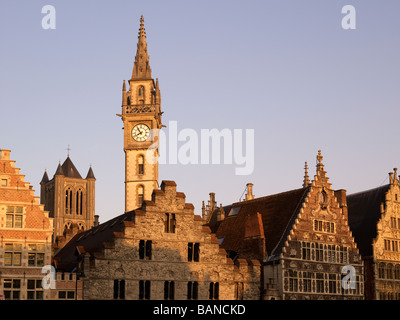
point(275, 212)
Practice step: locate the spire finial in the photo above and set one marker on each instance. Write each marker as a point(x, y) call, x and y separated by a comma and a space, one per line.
point(320, 166)
point(141, 66)
point(306, 181)
point(68, 149)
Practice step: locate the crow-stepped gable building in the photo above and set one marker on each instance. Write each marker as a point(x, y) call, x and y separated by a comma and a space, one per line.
point(301, 236)
point(374, 218)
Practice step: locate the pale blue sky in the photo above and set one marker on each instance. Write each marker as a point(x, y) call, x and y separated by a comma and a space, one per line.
point(286, 69)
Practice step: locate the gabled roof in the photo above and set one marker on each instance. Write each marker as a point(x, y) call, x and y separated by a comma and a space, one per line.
point(92, 240)
point(276, 212)
point(364, 213)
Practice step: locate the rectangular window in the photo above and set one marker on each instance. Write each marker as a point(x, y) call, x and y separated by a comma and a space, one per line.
point(12, 254)
point(119, 289)
point(169, 224)
point(4, 182)
point(36, 255)
point(320, 282)
point(145, 250)
point(193, 251)
point(9, 220)
point(66, 295)
point(35, 290)
point(324, 226)
point(169, 290)
point(293, 281)
point(332, 283)
point(192, 290)
point(306, 281)
point(14, 217)
point(239, 291)
point(305, 252)
point(214, 291)
point(12, 289)
point(144, 289)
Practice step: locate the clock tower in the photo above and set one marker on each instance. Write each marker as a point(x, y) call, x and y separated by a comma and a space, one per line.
point(141, 115)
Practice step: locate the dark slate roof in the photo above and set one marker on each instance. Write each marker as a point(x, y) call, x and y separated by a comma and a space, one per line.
point(364, 213)
point(45, 177)
point(59, 171)
point(90, 174)
point(92, 240)
point(69, 169)
point(276, 213)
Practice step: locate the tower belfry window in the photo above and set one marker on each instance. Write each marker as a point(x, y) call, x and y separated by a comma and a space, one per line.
point(140, 195)
point(79, 198)
point(141, 165)
point(68, 201)
point(141, 95)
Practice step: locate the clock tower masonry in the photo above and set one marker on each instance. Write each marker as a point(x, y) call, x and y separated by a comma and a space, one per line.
point(141, 115)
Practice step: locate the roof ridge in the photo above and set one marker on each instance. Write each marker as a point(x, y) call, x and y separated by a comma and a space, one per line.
point(266, 197)
point(368, 190)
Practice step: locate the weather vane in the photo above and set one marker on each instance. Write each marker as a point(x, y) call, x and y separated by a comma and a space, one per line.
point(69, 149)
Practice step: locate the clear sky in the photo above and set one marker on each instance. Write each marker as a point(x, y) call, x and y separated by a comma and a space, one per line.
point(286, 69)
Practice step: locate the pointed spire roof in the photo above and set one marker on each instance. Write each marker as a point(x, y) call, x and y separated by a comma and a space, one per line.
point(90, 174)
point(59, 171)
point(45, 178)
point(141, 66)
point(69, 169)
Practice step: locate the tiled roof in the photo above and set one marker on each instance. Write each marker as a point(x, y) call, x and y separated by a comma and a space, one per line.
point(276, 213)
point(364, 213)
point(92, 240)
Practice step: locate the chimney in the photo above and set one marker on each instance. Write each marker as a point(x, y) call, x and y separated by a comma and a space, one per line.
point(221, 213)
point(249, 194)
point(96, 220)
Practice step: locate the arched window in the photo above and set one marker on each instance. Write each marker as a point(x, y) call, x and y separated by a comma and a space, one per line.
point(141, 95)
point(68, 200)
point(389, 272)
point(79, 199)
point(140, 195)
point(140, 165)
point(68, 225)
point(381, 270)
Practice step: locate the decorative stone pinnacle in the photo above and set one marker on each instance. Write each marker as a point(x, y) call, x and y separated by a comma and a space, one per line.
point(306, 181)
point(320, 166)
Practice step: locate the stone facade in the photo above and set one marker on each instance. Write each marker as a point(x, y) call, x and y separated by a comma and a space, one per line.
point(160, 251)
point(308, 263)
point(301, 236)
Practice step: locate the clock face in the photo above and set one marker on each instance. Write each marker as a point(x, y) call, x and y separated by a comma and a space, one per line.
point(140, 132)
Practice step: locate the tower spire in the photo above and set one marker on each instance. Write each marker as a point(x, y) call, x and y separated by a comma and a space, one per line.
point(141, 66)
point(306, 181)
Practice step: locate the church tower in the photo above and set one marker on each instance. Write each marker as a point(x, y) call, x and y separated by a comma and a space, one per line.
point(69, 198)
point(141, 115)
